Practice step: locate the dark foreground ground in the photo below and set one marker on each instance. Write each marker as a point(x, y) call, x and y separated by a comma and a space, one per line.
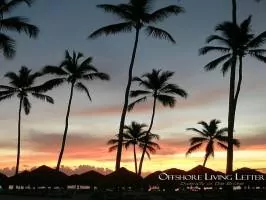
point(240, 195)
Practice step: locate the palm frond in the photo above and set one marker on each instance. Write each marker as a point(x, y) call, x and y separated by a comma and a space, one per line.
point(6, 97)
point(256, 51)
point(205, 125)
point(113, 29)
point(166, 100)
point(223, 146)
point(6, 87)
point(236, 143)
point(112, 148)
point(112, 141)
point(81, 87)
point(136, 93)
point(195, 140)
point(26, 105)
point(20, 24)
point(140, 100)
point(245, 25)
point(226, 66)
point(43, 97)
point(193, 148)
point(47, 85)
point(213, 64)
point(163, 13)
point(8, 6)
point(7, 45)
point(159, 33)
point(197, 131)
point(258, 41)
point(208, 49)
point(142, 82)
point(54, 70)
point(174, 89)
point(260, 57)
point(87, 62)
point(218, 38)
point(12, 76)
point(96, 75)
point(222, 131)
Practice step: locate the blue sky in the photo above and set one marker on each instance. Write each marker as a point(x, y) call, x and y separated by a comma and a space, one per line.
point(66, 24)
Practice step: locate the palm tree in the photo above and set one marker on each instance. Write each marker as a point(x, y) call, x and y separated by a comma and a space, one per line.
point(18, 24)
point(22, 85)
point(244, 44)
point(155, 85)
point(134, 135)
point(136, 15)
point(75, 73)
point(210, 135)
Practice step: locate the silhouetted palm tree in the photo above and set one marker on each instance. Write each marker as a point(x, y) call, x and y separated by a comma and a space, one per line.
point(22, 85)
point(18, 24)
point(134, 135)
point(73, 72)
point(244, 44)
point(157, 86)
point(136, 15)
point(210, 135)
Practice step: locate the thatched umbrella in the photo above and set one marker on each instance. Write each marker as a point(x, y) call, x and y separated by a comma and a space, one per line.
point(21, 179)
point(91, 178)
point(3, 181)
point(200, 170)
point(171, 185)
point(46, 176)
point(73, 180)
point(123, 178)
point(250, 184)
point(152, 179)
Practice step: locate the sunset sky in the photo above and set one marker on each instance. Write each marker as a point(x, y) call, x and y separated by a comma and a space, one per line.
point(66, 24)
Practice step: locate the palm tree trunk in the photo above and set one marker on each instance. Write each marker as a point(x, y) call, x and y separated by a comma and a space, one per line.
point(240, 78)
point(19, 122)
point(135, 159)
point(231, 120)
point(232, 103)
point(124, 111)
point(147, 136)
point(205, 160)
point(234, 11)
point(66, 128)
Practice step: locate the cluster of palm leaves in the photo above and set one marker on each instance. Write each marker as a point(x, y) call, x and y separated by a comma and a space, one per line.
point(235, 42)
point(154, 85)
point(71, 71)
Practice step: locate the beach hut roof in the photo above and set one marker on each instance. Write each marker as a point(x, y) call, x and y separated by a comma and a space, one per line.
point(153, 178)
point(246, 170)
point(45, 175)
point(123, 177)
point(22, 178)
point(175, 171)
point(201, 170)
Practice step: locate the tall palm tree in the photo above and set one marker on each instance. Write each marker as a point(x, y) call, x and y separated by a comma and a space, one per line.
point(134, 135)
point(135, 15)
point(17, 23)
point(156, 85)
point(73, 72)
point(21, 85)
point(210, 135)
point(243, 42)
